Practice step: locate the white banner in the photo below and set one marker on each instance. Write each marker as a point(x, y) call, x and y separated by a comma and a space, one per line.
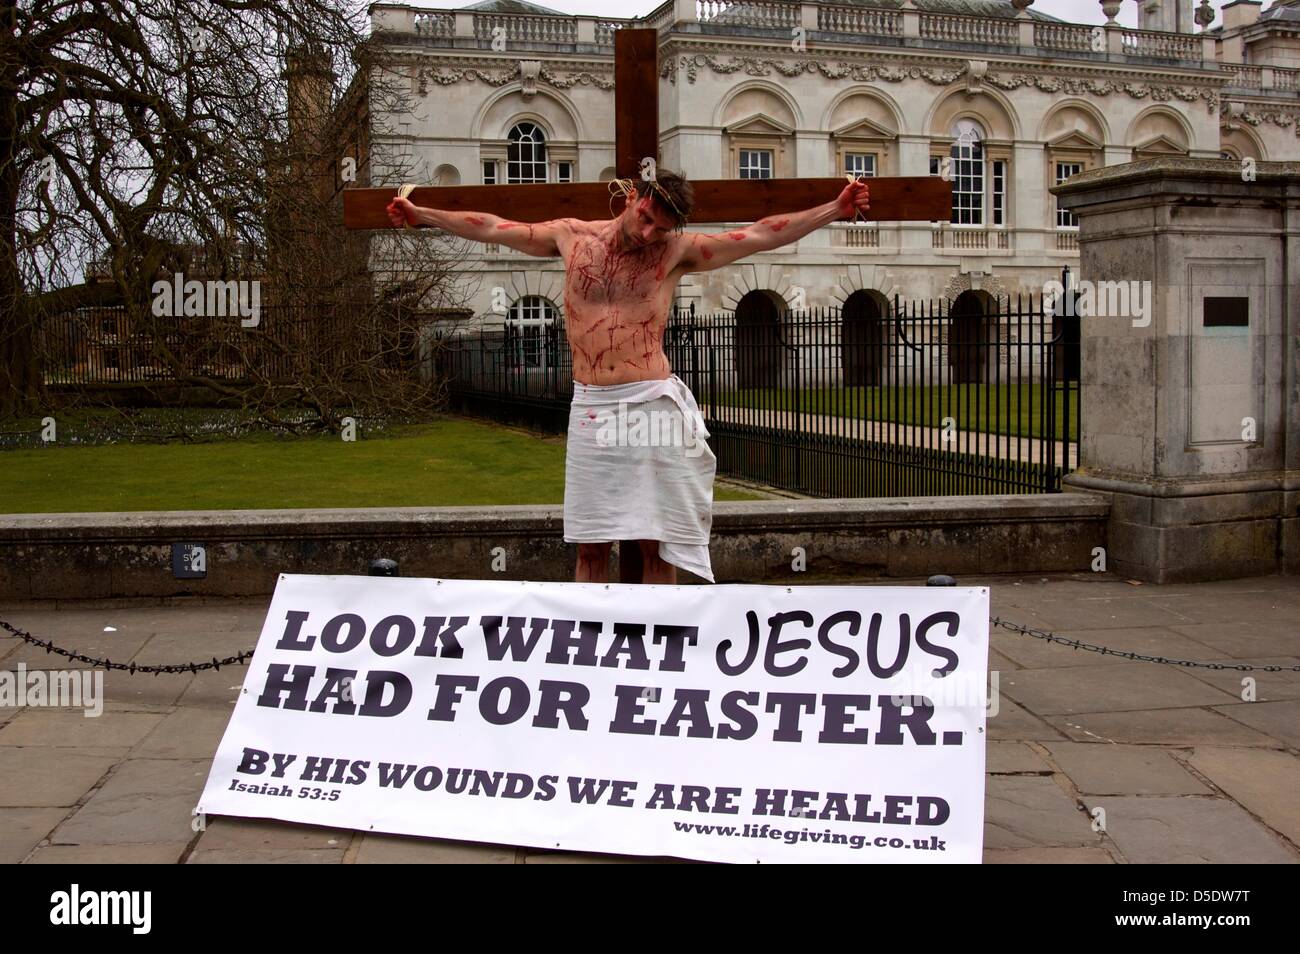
point(723, 723)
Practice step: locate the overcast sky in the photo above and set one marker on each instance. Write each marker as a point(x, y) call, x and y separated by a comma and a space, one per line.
point(1075, 11)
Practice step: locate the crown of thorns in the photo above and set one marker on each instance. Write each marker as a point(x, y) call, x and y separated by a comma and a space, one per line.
point(627, 189)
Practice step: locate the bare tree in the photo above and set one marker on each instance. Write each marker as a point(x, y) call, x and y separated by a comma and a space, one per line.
point(151, 134)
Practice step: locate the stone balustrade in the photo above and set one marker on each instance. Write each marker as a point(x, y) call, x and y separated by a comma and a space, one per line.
point(853, 22)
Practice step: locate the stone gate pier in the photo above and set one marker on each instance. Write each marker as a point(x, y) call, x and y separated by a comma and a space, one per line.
point(1190, 327)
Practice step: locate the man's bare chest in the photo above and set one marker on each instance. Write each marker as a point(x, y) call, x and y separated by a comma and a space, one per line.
point(597, 274)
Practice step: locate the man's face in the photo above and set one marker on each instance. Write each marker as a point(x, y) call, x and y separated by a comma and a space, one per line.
point(644, 223)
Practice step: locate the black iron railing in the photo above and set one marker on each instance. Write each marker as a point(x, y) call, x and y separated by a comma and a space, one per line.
point(878, 398)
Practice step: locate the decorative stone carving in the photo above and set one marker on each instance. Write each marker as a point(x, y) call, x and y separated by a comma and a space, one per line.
point(1204, 15)
point(859, 277)
point(528, 70)
point(582, 78)
point(1278, 117)
point(445, 76)
point(937, 76)
point(964, 281)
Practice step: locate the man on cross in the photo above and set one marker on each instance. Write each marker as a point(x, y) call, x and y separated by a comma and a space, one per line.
point(622, 482)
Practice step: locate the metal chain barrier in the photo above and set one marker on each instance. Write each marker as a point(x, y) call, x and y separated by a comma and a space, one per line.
point(1077, 644)
point(133, 668)
point(996, 621)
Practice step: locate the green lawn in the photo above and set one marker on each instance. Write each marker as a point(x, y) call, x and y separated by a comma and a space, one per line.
point(450, 462)
point(1002, 409)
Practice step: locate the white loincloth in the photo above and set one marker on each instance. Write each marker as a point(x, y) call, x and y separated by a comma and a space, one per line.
point(653, 482)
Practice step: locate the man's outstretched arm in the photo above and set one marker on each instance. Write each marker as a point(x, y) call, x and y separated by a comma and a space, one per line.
point(704, 252)
point(538, 238)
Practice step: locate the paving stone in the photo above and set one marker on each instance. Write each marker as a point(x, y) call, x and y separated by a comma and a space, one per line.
point(1111, 613)
point(1280, 637)
point(1264, 603)
point(185, 734)
point(1173, 829)
point(1099, 768)
point(1014, 724)
point(1263, 782)
point(1278, 720)
point(1134, 685)
point(48, 777)
point(1005, 758)
point(1033, 653)
point(183, 643)
point(89, 639)
point(76, 623)
point(1025, 811)
point(1001, 663)
point(217, 689)
point(22, 829)
point(208, 618)
point(69, 728)
point(155, 708)
point(1047, 856)
point(397, 849)
point(145, 800)
point(142, 691)
point(264, 834)
point(166, 853)
point(1269, 686)
point(243, 856)
point(79, 617)
point(1159, 727)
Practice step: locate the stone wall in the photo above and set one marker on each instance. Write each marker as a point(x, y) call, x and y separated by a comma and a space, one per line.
point(71, 556)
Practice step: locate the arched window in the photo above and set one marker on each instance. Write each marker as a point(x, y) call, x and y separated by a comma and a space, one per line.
point(757, 343)
point(969, 350)
point(979, 186)
point(531, 333)
point(526, 154)
point(864, 321)
point(967, 173)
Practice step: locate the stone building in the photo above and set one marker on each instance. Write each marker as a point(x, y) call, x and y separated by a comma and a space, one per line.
point(506, 91)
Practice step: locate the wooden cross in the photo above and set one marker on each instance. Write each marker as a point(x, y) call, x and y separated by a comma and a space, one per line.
point(636, 136)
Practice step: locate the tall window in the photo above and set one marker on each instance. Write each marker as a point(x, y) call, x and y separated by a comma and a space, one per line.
point(489, 172)
point(860, 163)
point(755, 163)
point(526, 154)
point(530, 333)
point(564, 172)
point(967, 155)
point(999, 192)
point(1065, 219)
point(979, 181)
